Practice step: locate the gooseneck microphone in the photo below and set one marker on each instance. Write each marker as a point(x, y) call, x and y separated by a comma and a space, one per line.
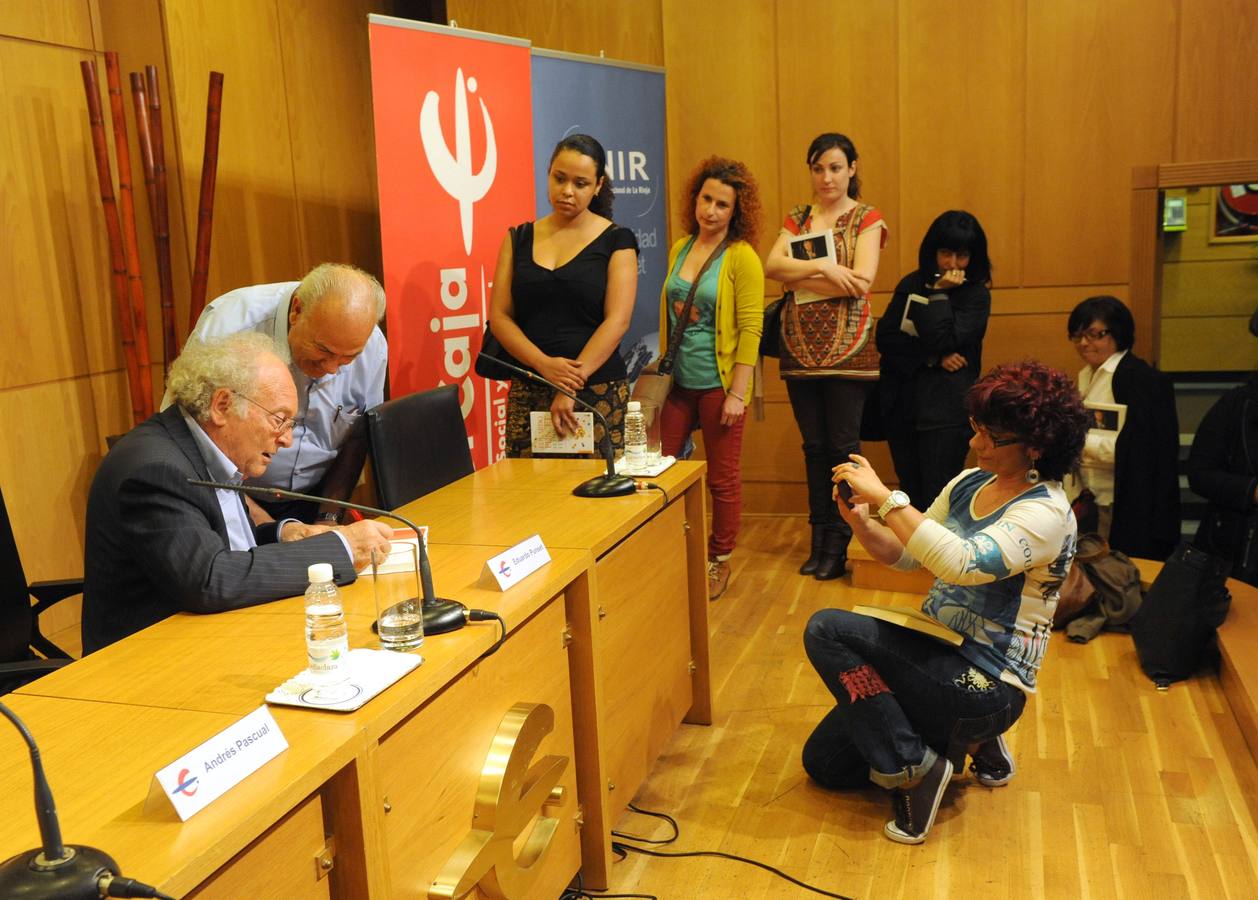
point(440, 615)
point(58, 870)
point(609, 485)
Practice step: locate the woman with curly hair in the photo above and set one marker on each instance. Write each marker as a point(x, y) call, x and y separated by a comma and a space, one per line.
point(720, 337)
point(999, 539)
point(562, 299)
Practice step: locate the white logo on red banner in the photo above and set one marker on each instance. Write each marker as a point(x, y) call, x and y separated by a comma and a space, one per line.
point(454, 172)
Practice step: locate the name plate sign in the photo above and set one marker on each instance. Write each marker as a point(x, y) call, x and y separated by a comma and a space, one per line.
point(512, 566)
point(202, 775)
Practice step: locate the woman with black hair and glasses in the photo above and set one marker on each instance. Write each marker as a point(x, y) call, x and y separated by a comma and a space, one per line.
point(932, 355)
point(562, 299)
point(1131, 469)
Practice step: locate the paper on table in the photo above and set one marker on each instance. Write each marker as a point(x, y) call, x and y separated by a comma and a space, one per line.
point(370, 672)
point(646, 471)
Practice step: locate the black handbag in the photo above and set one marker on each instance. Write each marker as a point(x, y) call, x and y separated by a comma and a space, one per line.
point(771, 336)
point(491, 347)
point(488, 368)
point(1185, 604)
point(771, 333)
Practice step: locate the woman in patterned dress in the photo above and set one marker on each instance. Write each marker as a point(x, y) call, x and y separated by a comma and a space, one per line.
point(828, 356)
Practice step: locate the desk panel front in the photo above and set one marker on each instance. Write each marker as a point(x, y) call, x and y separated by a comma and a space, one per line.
point(644, 642)
point(458, 777)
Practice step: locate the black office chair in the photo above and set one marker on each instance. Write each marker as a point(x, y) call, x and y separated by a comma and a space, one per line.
point(20, 636)
point(418, 444)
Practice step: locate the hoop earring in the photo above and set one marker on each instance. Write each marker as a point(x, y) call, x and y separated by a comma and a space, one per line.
point(1032, 475)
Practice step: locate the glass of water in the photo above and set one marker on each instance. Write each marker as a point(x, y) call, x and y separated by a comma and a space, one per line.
point(400, 625)
point(654, 442)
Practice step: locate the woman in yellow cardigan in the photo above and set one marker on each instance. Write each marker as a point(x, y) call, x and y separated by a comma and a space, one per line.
point(721, 341)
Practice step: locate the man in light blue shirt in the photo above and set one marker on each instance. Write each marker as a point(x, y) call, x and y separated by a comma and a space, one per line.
point(325, 328)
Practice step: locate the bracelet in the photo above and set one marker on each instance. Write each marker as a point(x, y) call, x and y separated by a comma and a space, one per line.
point(736, 397)
point(329, 517)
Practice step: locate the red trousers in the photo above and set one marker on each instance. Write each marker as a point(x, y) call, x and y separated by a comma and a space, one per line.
point(723, 445)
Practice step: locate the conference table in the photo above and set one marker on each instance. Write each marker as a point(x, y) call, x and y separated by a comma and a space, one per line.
point(501, 774)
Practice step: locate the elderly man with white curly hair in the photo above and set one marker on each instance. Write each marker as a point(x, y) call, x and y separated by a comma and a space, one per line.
point(157, 545)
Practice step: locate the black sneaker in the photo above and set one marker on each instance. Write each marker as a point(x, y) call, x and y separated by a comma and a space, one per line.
point(915, 806)
point(992, 763)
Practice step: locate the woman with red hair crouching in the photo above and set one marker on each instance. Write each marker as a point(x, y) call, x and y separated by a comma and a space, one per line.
point(999, 539)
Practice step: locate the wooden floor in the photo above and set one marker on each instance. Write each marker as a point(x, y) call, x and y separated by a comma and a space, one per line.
point(1120, 792)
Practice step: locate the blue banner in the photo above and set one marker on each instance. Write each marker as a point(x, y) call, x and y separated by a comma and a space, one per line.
point(622, 105)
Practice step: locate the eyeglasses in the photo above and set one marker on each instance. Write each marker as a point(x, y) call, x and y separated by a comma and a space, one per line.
point(995, 441)
point(1093, 335)
point(280, 422)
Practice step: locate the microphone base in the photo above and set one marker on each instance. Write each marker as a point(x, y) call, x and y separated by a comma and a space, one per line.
point(606, 486)
point(442, 616)
point(26, 876)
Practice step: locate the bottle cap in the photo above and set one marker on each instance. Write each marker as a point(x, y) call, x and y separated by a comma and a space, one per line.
point(635, 406)
point(319, 573)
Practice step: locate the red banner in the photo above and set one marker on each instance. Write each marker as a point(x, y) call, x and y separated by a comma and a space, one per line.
point(454, 159)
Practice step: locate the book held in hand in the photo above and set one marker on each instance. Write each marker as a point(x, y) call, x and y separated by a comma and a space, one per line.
point(914, 619)
point(813, 245)
point(546, 440)
point(906, 321)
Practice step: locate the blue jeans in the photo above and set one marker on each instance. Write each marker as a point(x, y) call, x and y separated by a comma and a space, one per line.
point(903, 699)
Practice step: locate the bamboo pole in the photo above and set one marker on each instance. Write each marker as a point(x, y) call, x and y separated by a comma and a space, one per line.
point(205, 205)
point(117, 260)
point(147, 131)
point(163, 215)
point(130, 242)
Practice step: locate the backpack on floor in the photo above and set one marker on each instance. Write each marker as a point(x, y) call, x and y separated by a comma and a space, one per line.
point(1185, 605)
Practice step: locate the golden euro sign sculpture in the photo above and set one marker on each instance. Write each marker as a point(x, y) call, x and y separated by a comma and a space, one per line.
point(511, 794)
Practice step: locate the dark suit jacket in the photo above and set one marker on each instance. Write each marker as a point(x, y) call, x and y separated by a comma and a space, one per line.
point(1223, 468)
point(157, 545)
point(1146, 463)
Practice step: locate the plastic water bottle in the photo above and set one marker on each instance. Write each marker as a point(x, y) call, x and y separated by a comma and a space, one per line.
point(327, 638)
point(635, 437)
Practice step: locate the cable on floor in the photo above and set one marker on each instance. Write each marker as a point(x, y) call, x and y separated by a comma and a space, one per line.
point(622, 849)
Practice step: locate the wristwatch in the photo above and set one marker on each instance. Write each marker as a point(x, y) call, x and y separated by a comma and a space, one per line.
point(895, 500)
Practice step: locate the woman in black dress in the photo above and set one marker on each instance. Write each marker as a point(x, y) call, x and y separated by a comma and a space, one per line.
point(562, 298)
point(925, 375)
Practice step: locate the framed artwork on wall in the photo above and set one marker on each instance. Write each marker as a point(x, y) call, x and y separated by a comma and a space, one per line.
point(1234, 216)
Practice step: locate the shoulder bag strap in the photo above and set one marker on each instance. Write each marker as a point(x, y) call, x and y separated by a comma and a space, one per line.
point(683, 318)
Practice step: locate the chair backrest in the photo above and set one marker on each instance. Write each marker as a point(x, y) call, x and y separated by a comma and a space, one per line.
point(418, 444)
point(15, 601)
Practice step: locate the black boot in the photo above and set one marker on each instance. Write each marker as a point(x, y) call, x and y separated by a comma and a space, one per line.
point(833, 562)
point(814, 559)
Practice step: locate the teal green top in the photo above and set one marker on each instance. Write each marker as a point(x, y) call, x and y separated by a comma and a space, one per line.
point(695, 367)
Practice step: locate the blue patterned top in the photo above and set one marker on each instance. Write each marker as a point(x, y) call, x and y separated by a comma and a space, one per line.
point(996, 576)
